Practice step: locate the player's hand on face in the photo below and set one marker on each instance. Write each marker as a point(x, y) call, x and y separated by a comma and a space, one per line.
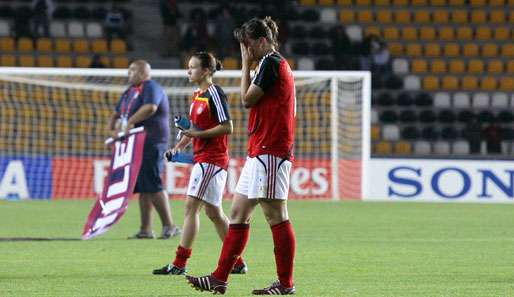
point(245, 56)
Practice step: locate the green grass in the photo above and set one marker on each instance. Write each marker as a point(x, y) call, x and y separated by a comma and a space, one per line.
point(344, 249)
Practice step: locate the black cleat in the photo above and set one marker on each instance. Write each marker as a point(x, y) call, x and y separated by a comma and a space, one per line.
point(169, 270)
point(207, 283)
point(275, 289)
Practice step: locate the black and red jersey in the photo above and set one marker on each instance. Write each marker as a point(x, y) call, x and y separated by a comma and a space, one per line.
point(209, 109)
point(272, 120)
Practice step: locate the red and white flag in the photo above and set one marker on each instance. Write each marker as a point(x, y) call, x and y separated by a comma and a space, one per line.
point(118, 184)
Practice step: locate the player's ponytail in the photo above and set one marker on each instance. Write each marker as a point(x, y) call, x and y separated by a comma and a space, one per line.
point(256, 28)
point(207, 60)
point(272, 25)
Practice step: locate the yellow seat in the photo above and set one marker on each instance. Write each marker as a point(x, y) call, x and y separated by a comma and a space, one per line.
point(470, 50)
point(457, 66)
point(396, 48)
point(307, 2)
point(496, 2)
point(432, 50)
point(384, 16)
point(346, 16)
point(230, 63)
point(45, 61)
point(419, 2)
point(488, 83)
point(438, 2)
point(456, 2)
point(99, 46)
point(450, 83)
point(8, 60)
point(63, 45)
point(391, 33)
point(365, 16)
point(106, 61)
point(502, 33)
point(438, 66)
point(7, 44)
point(447, 33)
point(475, 66)
point(441, 16)
point(44, 44)
point(419, 66)
point(375, 132)
point(64, 61)
point(469, 83)
point(459, 16)
point(402, 148)
point(383, 148)
point(372, 30)
point(413, 49)
point(402, 16)
point(400, 2)
point(363, 2)
point(81, 46)
point(27, 61)
point(506, 84)
point(421, 16)
point(120, 62)
point(118, 46)
point(464, 33)
point(451, 50)
point(478, 16)
point(25, 44)
point(431, 83)
point(483, 33)
point(382, 2)
point(495, 66)
point(497, 16)
point(511, 15)
point(510, 66)
point(427, 33)
point(82, 61)
point(344, 2)
point(489, 50)
point(326, 2)
point(507, 50)
point(478, 2)
point(409, 33)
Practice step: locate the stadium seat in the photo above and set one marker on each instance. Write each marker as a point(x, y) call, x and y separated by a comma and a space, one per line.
point(429, 133)
point(449, 133)
point(412, 82)
point(25, 44)
point(384, 16)
point(94, 30)
point(372, 30)
point(438, 66)
point(478, 16)
point(446, 116)
point(469, 83)
point(409, 33)
point(486, 116)
point(507, 50)
point(375, 132)
point(475, 66)
point(465, 116)
point(64, 61)
point(480, 100)
point(82, 61)
point(400, 66)
point(5, 28)
point(385, 99)
point(402, 16)
point(382, 2)
point(457, 66)
point(346, 16)
point(400, 2)
point(419, 2)
point(488, 83)
point(62, 45)
point(396, 48)
point(438, 2)
point(27, 61)
point(413, 50)
point(501, 34)
point(44, 45)
point(459, 16)
point(391, 33)
point(230, 63)
point(99, 46)
point(8, 60)
point(432, 49)
point(500, 100)
point(422, 147)
point(81, 46)
point(421, 16)
point(450, 83)
point(451, 50)
point(354, 32)
point(404, 99)
point(328, 15)
point(510, 66)
point(497, 16)
point(460, 147)
point(483, 33)
point(424, 99)
point(440, 16)
point(447, 34)
point(58, 29)
point(388, 116)
point(442, 100)
point(120, 62)
point(505, 117)
point(45, 61)
point(495, 66)
point(402, 148)
point(326, 2)
point(410, 133)
point(461, 100)
point(431, 83)
point(75, 29)
point(6, 44)
point(464, 33)
point(506, 84)
point(408, 116)
point(383, 148)
point(419, 66)
point(391, 132)
point(478, 3)
point(441, 148)
point(427, 116)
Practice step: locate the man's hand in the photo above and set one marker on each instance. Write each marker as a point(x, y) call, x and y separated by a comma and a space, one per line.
point(127, 128)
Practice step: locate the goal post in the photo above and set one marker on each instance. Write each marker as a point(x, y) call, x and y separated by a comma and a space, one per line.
point(53, 123)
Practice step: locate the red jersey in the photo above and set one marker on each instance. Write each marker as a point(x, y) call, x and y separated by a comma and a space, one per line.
point(272, 120)
point(209, 109)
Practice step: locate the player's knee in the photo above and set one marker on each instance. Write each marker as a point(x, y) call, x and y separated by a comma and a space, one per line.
point(214, 214)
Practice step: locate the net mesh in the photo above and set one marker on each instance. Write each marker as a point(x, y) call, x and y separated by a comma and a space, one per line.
point(56, 125)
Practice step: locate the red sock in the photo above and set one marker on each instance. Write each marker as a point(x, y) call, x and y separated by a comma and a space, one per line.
point(239, 261)
point(233, 246)
point(181, 257)
point(285, 245)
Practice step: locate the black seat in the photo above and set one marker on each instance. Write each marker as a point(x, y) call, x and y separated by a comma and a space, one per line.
point(99, 13)
point(424, 99)
point(449, 133)
point(394, 82)
point(300, 48)
point(405, 99)
point(299, 32)
point(408, 116)
point(427, 116)
point(465, 116)
point(446, 116)
point(430, 133)
point(325, 64)
point(6, 12)
point(486, 116)
point(385, 99)
point(320, 48)
point(388, 116)
point(310, 15)
point(81, 13)
point(317, 32)
point(508, 133)
point(410, 133)
point(63, 12)
point(505, 116)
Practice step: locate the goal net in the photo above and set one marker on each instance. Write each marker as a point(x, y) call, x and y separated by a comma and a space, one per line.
point(53, 123)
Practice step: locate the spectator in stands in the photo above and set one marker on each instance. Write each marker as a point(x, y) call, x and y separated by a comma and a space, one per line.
point(225, 24)
point(342, 49)
point(473, 134)
point(114, 24)
point(42, 13)
point(22, 27)
point(169, 15)
point(374, 55)
point(493, 136)
point(96, 62)
point(197, 37)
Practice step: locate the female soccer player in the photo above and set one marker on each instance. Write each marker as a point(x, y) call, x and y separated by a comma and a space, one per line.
point(211, 121)
point(264, 180)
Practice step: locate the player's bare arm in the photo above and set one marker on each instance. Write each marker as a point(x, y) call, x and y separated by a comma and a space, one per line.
point(250, 94)
point(221, 129)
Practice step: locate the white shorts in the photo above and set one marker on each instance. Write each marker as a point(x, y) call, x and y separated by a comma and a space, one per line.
point(207, 182)
point(265, 176)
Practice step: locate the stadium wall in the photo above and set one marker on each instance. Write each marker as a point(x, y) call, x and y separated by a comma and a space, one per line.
point(482, 181)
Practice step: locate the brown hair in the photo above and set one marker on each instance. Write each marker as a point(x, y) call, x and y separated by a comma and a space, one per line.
point(207, 60)
point(256, 28)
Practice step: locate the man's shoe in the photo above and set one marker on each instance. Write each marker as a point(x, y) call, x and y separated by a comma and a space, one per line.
point(239, 269)
point(275, 289)
point(207, 283)
point(170, 232)
point(170, 270)
point(143, 235)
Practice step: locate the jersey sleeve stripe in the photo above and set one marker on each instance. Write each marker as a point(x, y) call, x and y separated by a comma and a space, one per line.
point(217, 101)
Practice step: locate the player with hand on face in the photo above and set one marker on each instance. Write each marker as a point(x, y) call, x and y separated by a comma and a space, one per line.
point(264, 180)
point(211, 125)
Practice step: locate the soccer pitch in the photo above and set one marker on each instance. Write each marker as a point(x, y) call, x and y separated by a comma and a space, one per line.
point(343, 249)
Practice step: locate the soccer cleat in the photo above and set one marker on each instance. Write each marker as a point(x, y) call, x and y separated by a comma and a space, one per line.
point(207, 283)
point(170, 270)
point(143, 235)
point(170, 232)
point(239, 269)
point(275, 289)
